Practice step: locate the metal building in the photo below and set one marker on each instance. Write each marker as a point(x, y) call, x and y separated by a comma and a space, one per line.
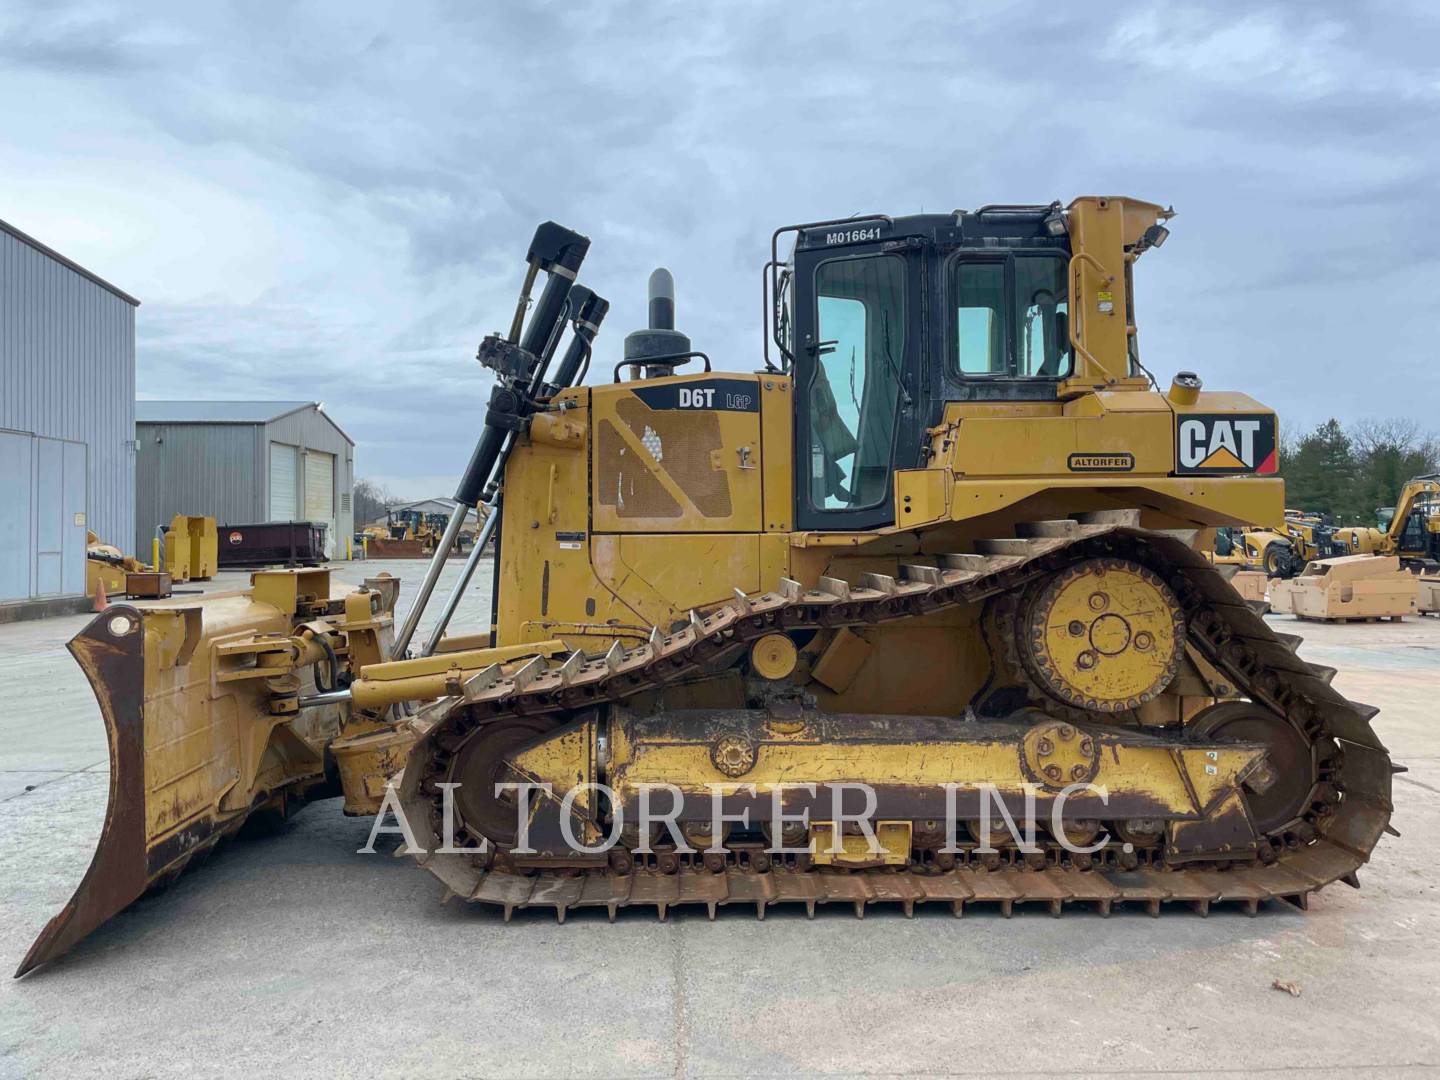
point(67, 418)
point(243, 462)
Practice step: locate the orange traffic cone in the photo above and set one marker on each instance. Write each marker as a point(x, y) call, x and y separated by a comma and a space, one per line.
point(100, 600)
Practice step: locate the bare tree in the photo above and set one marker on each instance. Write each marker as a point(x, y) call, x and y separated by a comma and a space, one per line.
point(1397, 433)
point(371, 499)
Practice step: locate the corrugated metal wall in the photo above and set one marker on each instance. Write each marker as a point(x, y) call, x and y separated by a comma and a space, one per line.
point(67, 371)
point(223, 470)
point(310, 429)
point(202, 469)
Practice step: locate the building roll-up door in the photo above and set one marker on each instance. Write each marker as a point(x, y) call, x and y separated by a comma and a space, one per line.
point(283, 486)
point(320, 494)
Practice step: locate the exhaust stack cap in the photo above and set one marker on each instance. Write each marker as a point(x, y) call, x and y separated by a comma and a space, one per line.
point(661, 338)
point(1185, 389)
point(662, 299)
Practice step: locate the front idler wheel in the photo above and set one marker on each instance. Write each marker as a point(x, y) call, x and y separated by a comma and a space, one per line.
point(1280, 792)
point(479, 765)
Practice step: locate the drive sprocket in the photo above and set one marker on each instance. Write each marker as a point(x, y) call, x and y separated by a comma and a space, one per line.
point(1105, 635)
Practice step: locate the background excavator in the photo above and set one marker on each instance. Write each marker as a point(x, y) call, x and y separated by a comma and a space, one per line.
point(945, 543)
point(1412, 530)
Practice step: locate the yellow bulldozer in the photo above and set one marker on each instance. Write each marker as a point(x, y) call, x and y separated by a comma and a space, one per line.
point(915, 613)
point(1411, 529)
point(407, 534)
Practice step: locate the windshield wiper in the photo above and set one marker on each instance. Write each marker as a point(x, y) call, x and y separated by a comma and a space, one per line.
point(890, 360)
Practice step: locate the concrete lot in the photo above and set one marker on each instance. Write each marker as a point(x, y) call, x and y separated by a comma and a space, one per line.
point(295, 956)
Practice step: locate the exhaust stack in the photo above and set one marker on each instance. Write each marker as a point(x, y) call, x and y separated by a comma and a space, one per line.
point(660, 341)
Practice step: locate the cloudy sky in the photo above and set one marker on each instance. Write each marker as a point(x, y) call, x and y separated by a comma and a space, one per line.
point(332, 200)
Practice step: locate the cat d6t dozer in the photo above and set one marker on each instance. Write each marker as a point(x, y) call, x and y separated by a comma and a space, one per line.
point(816, 633)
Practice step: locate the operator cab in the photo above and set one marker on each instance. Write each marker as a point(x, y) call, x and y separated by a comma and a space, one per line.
point(883, 320)
point(1419, 537)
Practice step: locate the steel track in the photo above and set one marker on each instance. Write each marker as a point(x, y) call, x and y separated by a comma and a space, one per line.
point(1331, 841)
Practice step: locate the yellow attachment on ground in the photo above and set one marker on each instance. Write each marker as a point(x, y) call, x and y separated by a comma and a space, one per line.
point(113, 576)
point(106, 563)
point(1106, 635)
point(192, 548)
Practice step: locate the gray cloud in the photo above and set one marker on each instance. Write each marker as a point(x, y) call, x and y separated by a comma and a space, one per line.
point(333, 199)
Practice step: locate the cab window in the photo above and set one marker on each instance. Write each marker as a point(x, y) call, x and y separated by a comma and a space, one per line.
point(1011, 316)
point(1412, 538)
point(854, 390)
point(980, 318)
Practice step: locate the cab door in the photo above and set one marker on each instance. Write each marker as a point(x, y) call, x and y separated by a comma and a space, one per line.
point(858, 343)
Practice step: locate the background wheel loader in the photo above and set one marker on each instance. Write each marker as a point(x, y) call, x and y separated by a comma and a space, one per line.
point(1312, 536)
point(944, 543)
point(1252, 548)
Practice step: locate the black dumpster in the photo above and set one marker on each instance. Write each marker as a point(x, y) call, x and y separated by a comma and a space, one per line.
point(272, 543)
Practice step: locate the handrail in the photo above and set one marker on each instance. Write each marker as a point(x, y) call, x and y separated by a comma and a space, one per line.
point(787, 359)
point(766, 317)
point(670, 360)
point(1077, 303)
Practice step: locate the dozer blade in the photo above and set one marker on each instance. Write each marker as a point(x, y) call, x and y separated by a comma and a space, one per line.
point(114, 664)
point(195, 749)
point(396, 549)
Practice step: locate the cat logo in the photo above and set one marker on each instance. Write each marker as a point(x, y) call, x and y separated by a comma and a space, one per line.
point(1217, 445)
